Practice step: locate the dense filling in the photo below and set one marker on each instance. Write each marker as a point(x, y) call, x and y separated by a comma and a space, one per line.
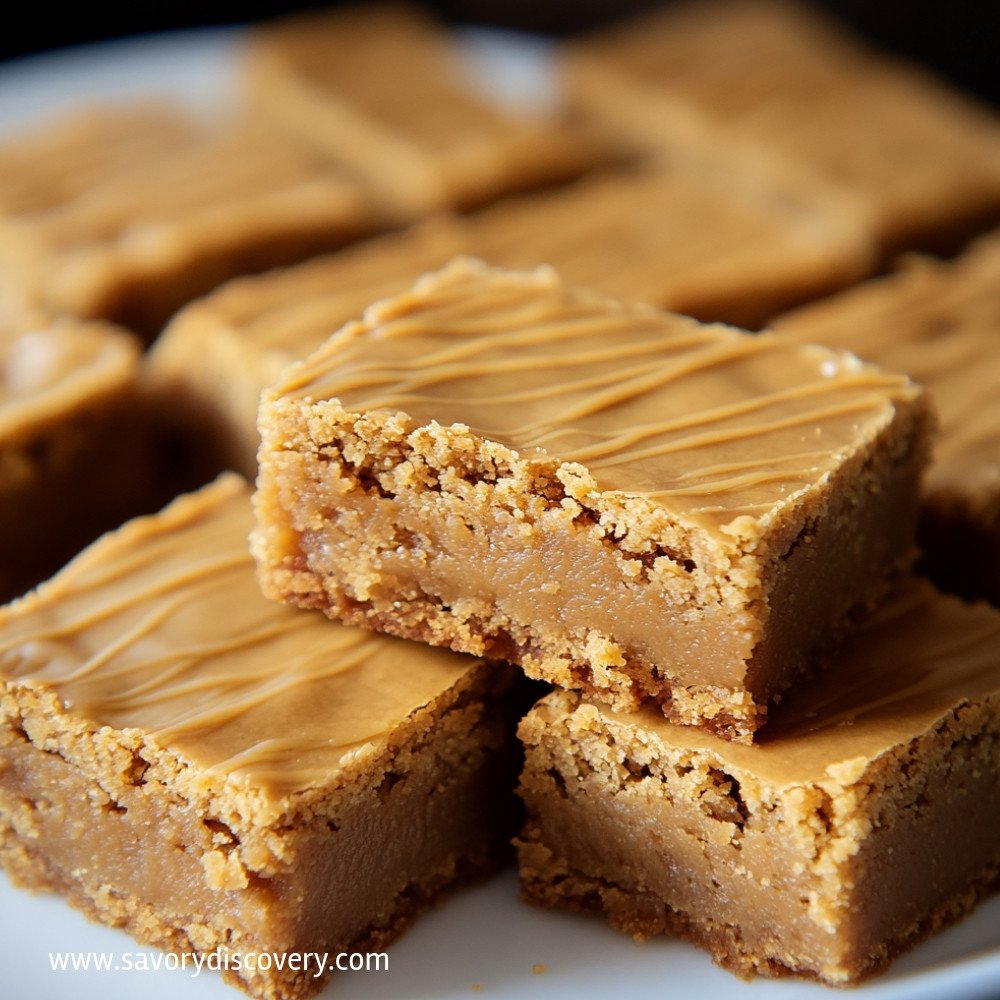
point(678, 839)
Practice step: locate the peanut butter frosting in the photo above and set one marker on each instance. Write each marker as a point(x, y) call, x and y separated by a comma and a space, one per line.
point(920, 657)
point(940, 322)
point(286, 314)
point(437, 110)
point(719, 427)
point(45, 374)
point(241, 198)
point(214, 179)
point(160, 628)
point(775, 88)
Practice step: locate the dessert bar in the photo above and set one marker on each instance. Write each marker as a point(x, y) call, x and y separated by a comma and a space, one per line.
point(680, 239)
point(619, 499)
point(940, 322)
point(62, 157)
point(79, 449)
point(780, 96)
point(147, 236)
point(382, 89)
point(212, 771)
point(863, 820)
point(216, 356)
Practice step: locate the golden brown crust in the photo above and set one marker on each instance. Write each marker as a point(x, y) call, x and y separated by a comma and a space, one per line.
point(643, 915)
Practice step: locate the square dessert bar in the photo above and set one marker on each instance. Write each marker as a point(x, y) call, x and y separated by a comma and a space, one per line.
point(79, 448)
point(216, 356)
point(619, 499)
point(864, 819)
point(213, 771)
point(680, 239)
point(940, 322)
point(384, 90)
point(778, 94)
point(184, 212)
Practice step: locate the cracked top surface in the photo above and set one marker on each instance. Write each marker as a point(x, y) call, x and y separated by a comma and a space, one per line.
point(720, 428)
point(160, 628)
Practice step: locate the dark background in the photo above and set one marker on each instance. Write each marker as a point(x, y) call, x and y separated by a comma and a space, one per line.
point(958, 39)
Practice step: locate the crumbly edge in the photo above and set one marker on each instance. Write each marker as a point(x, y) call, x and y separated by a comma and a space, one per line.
point(314, 451)
point(102, 904)
point(311, 448)
point(246, 839)
point(843, 828)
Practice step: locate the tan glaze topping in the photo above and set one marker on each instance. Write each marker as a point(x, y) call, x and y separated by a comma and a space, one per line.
point(376, 48)
point(210, 182)
point(793, 86)
point(46, 374)
point(918, 658)
point(161, 627)
point(714, 425)
point(726, 255)
point(940, 322)
point(293, 311)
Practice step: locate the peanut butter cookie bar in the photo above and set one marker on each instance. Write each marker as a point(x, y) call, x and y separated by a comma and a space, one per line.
point(214, 772)
point(619, 499)
point(863, 820)
point(940, 322)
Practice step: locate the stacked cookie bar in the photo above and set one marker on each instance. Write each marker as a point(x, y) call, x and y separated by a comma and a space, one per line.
point(484, 445)
point(671, 523)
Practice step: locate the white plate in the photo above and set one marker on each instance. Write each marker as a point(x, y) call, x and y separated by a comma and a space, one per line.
point(483, 941)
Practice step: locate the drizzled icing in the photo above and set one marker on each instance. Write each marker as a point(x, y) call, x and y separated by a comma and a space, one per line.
point(706, 420)
point(161, 627)
point(920, 656)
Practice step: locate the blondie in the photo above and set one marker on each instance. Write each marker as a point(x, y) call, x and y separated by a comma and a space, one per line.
point(214, 772)
point(620, 500)
point(863, 820)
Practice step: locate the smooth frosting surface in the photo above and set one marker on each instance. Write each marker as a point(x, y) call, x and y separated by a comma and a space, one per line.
point(672, 237)
point(711, 423)
point(377, 46)
point(920, 656)
point(161, 627)
point(45, 374)
point(940, 322)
